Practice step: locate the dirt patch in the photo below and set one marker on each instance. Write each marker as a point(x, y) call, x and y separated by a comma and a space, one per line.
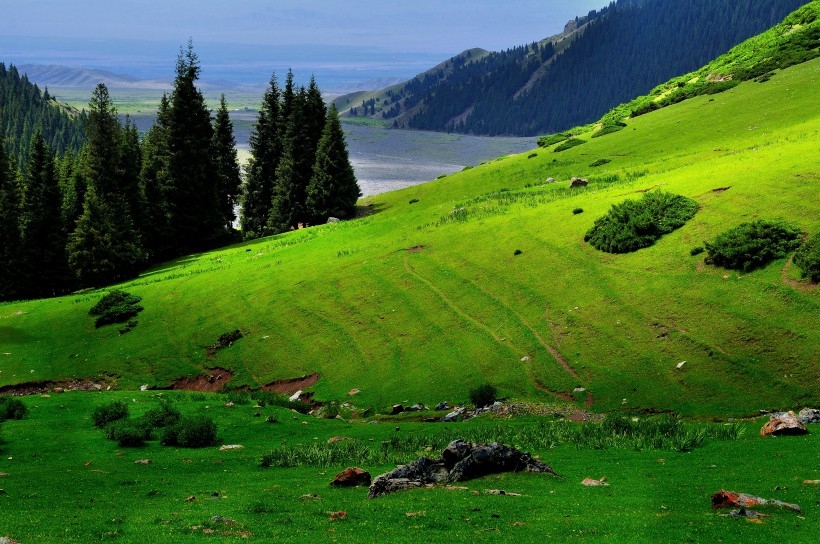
point(415, 249)
point(291, 385)
point(213, 381)
point(800, 285)
point(39, 388)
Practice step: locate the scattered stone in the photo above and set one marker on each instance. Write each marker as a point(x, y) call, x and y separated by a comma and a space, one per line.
point(294, 397)
point(230, 404)
point(351, 477)
point(144, 387)
point(332, 219)
point(353, 392)
point(334, 439)
point(310, 496)
point(418, 407)
point(501, 492)
point(414, 514)
point(805, 482)
point(809, 415)
point(441, 406)
point(578, 182)
point(680, 365)
point(455, 415)
point(459, 461)
point(223, 519)
point(59, 390)
point(783, 424)
point(579, 389)
point(227, 447)
point(190, 499)
point(550, 180)
point(142, 462)
point(729, 499)
point(743, 513)
point(7, 540)
point(338, 515)
point(591, 482)
point(397, 409)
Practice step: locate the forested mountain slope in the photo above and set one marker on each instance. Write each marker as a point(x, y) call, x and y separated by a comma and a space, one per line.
point(615, 54)
point(24, 109)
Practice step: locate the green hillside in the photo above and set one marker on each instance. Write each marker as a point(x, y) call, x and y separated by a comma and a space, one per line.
point(483, 276)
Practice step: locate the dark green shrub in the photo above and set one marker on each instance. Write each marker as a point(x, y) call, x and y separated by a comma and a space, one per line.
point(483, 395)
point(569, 144)
point(609, 128)
point(238, 397)
point(517, 252)
point(635, 224)
point(807, 258)
point(752, 245)
point(532, 155)
point(191, 432)
point(162, 416)
point(696, 251)
point(12, 408)
point(551, 139)
point(115, 307)
point(269, 398)
point(413, 200)
point(128, 432)
point(576, 211)
point(108, 413)
point(599, 162)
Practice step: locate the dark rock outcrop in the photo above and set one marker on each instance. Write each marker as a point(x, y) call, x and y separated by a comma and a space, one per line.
point(786, 423)
point(351, 477)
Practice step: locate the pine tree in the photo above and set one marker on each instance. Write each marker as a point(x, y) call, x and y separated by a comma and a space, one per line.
point(156, 186)
point(42, 234)
point(266, 153)
point(196, 215)
point(333, 189)
point(10, 242)
point(227, 165)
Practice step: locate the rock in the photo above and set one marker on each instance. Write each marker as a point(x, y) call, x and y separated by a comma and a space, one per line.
point(805, 482)
point(294, 397)
point(340, 514)
point(59, 390)
point(578, 182)
point(397, 409)
point(550, 180)
point(7, 540)
point(455, 415)
point(680, 365)
point(192, 498)
point(501, 492)
point(351, 477)
point(332, 219)
point(353, 392)
point(227, 447)
point(730, 499)
point(142, 462)
point(311, 496)
point(144, 387)
point(809, 415)
point(783, 424)
point(459, 461)
point(418, 407)
point(591, 482)
point(334, 439)
point(441, 406)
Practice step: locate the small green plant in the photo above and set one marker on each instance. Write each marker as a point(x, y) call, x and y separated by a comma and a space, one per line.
point(569, 144)
point(807, 258)
point(163, 415)
point(128, 432)
point(546, 141)
point(115, 307)
point(517, 252)
point(752, 245)
point(108, 413)
point(331, 409)
point(413, 200)
point(600, 162)
point(576, 211)
point(483, 395)
point(269, 398)
point(635, 224)
point(12, 408)
point(609, 128)
point(697, 250)
point(532, 155)
point(190, 432)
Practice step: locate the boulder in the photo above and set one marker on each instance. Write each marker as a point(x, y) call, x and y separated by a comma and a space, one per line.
point(351, 477)
point(459, 461)
point(809, 415)
point(441, 406)
point(578, 182)
point(783, 424)
point(397, 409)
point(455, 415)
point(731, 499)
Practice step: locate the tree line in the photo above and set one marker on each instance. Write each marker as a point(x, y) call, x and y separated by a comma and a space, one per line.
point(120, 202)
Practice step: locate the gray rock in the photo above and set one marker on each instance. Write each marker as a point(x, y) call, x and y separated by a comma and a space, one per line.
point(783, 424)
point(332, 219)
point(455, 415)
point(578, 182)
point(397, 409)
point(809, 415)
point(441, 406)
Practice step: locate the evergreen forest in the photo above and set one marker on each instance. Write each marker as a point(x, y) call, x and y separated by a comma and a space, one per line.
point(85, 200)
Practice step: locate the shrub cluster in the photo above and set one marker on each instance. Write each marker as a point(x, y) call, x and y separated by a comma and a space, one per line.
point(609, 128)
point(551, 139)
point(109, 413)
point(752, 245)
point(116, 307)
point(177, 430)
point(12, 408)
point(190, 432)
point(635, 224)
point(483, 395)
point(569, 144)
point(807, 258)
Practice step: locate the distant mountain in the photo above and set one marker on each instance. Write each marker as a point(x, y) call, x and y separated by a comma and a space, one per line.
point(599, 61)
point(70, 77)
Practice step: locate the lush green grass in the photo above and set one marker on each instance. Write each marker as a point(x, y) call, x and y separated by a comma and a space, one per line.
point(422, 303)
point(67, 483)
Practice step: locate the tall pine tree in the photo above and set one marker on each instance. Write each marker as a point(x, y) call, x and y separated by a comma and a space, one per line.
point(10, 242)
point(156, 186)
point(266, 153)
point(333, 189)
point(196, 216)
point(227, 165)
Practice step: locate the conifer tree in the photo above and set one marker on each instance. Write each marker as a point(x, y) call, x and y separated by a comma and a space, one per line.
point(227, 165)
point(156, 186)
point(266, 153)
point(333, 189)
point(42, 234)
point(196, 216)
point(10, 242)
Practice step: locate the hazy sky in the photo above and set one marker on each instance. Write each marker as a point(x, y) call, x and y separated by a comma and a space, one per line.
point(431, 26)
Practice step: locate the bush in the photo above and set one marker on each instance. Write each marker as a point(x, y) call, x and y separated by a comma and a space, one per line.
point(191, 432)
point(609, 128)
point(696, 250)
point(128, 433)
point(517, 252)
point(546, 141)
point(108, 413)
point(163, 415)
point(115, 307)
point(269, 398)
point(576, 211)
point(599, 162)
point(12, 408)
point(752, 245)
point(635, 224)
point(532, 155)
point(483, 395)
point(569, 144)
point(807, 258)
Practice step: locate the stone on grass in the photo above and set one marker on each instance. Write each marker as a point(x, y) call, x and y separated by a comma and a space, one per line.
point(730, 499)
point(809, 415)
point(783, 424)
point(578, 182)
point(351, 477)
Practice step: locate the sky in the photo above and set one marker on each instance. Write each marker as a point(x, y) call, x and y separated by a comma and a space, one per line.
point(103, 33)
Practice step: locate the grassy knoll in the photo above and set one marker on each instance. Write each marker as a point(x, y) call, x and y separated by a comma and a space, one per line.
point(64, 482)
point(422, 302)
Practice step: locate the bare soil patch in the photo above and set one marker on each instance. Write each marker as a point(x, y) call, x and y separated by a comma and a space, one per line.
point(39, 388)
point(415, 249)
point(213, 381)
point(291, 385)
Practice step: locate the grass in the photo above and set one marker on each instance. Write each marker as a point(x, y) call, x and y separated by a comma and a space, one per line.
point(406, 306)
point(84, 488)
